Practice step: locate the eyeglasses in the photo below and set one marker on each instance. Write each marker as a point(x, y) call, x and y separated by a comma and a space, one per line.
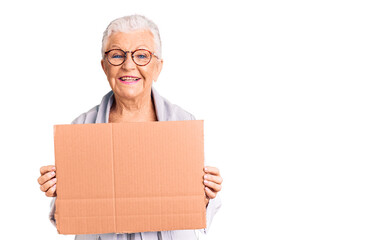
point(140, 57)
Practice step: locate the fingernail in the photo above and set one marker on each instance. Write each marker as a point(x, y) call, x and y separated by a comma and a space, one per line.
point(206, 169)
point(205, 181)
point(206, 176)
point(53, 168)
point(54, 180)
point(53, 173)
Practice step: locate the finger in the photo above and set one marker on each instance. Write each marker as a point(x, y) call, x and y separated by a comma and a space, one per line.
point(212, 170)
point(209, 193)
point(46, 177)
point(206, 200)
point(47, 168)
point(52, 191)
point(213, 178)
point(44, 187)
point(213, 186)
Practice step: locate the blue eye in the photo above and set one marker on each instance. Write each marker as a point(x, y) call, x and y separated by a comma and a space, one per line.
point(141, 56)
point(117, 56)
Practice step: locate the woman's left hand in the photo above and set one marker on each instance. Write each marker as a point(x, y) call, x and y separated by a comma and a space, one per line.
point(212, 182)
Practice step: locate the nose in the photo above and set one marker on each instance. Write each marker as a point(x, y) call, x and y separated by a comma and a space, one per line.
point(129, 64)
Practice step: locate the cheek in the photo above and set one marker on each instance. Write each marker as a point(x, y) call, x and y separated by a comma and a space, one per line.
point(147, 73)
point(111, 73)
point(153, 72)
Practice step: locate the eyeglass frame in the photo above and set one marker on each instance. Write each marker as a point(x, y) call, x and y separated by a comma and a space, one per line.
point(131, 52)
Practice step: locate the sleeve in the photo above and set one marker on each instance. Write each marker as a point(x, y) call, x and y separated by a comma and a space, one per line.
point(212, 208)
point(52, 211)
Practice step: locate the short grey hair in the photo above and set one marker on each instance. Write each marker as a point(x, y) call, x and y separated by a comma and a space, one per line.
point(130, 23)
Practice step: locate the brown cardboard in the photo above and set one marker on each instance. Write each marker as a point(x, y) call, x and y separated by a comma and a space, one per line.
point(129, 177)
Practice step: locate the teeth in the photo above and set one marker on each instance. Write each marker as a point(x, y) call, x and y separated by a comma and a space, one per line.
point(129, 79)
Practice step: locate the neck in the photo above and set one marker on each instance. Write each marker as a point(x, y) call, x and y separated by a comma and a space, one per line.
point(141, 108)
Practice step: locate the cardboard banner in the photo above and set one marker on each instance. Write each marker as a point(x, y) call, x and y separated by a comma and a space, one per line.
point(129, 177)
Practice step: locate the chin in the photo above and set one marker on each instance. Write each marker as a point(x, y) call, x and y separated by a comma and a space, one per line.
point(130, 93)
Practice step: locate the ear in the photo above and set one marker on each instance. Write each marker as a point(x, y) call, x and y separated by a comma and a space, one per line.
point(159, 67)
point(102, 63)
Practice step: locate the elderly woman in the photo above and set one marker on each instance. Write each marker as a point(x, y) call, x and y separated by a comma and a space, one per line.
point(132, 61)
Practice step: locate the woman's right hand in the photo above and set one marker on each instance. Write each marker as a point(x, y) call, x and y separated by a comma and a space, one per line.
point(48, 181)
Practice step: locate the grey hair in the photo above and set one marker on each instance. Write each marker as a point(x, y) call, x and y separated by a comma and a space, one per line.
point(130, 23)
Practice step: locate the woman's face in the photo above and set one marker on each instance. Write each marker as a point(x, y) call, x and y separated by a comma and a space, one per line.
point(130, 81)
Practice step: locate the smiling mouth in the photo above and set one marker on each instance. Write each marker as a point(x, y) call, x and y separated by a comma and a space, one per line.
point(129, 79)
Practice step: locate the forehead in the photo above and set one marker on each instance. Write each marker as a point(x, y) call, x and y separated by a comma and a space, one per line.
point(131, 40)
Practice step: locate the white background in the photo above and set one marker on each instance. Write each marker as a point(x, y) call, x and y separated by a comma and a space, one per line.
point(295, 96)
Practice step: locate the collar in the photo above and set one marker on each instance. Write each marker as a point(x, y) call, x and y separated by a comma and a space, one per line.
point(108, 99)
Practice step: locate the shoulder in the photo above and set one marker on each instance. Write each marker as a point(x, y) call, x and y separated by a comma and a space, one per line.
point(174, 112)
point(87, 117)
point(97, 113)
